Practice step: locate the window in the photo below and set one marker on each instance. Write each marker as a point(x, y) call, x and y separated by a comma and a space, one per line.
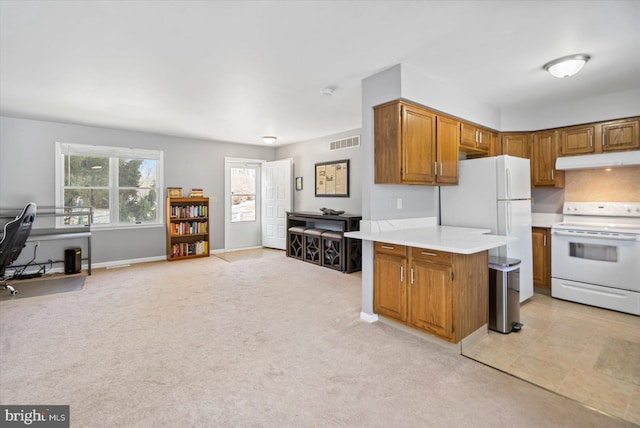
point(243, 194)
point(122, 186)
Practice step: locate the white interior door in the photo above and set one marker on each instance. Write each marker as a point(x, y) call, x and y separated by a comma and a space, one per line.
point(243, 203)
point(277, 200)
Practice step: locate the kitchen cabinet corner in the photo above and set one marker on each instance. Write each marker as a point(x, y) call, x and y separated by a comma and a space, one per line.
point(515, 144)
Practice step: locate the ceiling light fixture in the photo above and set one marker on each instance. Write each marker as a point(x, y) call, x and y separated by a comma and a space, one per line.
point(267, 139)
point(566, 66)
point(327, 91)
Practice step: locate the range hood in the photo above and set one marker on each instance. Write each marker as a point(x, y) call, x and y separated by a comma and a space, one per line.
point(603, 160)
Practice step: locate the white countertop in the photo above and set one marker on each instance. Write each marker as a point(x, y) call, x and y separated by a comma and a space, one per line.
point(461, 240)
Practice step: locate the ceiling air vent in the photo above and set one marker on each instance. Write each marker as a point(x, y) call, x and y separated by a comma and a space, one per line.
point(345, 143)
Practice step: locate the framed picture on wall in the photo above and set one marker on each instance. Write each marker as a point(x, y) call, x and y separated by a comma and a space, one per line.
point(332, 179)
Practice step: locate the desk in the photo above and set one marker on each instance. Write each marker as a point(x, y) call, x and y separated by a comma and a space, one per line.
point(70, 233)
point(55, 234)
point(47, 216)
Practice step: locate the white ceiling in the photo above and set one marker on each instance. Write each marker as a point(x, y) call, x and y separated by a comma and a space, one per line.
point(236, 70)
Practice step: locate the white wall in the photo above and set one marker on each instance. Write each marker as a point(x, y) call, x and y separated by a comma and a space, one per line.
point(306, 154)
point(27, 174)
point(447, 98)
point(594, 109)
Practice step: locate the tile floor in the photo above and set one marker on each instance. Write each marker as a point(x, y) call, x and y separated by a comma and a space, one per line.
point(588, 354)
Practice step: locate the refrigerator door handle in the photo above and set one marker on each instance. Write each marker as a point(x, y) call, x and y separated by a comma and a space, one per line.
point(508, 218)
point(508, 174)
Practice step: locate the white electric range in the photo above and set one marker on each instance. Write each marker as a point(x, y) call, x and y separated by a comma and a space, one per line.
point(595, 255)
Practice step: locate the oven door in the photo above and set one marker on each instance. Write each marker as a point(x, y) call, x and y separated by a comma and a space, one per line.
point(609, 260)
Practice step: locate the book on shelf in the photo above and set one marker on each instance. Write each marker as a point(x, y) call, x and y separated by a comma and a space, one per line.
point(183, 249)
point(189, 228)
point(188, 211)
point(196, 193)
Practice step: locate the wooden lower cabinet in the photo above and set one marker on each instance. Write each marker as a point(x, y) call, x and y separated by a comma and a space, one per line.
point(541, 239)
point(431, 303)
point(441, 293)
point(390, 289)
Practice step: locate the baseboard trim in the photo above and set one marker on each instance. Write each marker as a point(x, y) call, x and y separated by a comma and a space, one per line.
point(474, 338)
point(452, 347)
point(239, 249)
point(370, 318)
point(120, 263)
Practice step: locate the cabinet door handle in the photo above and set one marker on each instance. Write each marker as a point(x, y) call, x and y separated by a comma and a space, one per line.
point(591, 140)
point(428, 254)
point(544, 241)
point(603, 139)
point(440, 168)
point(387, 247)
point(412, 275)
point(476, 135)
point(401, 273)
point(435, 167)
point(552, 175)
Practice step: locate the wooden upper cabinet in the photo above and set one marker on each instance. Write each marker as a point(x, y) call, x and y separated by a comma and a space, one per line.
point(543, 160)
point(474, 140)
point(468, 135)
point(388, 143)
point(448, 137)
point(414, 146)
point(484, 139)
point(404, 140)
point(418, 141)
point(515, 144)
point(621, 135)
point(494, 148)
point(577, 140)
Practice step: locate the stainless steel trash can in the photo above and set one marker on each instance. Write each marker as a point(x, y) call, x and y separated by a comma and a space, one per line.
point(504, 294)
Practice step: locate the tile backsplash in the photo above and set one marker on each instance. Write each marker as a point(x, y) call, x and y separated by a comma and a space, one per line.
point(599, 185)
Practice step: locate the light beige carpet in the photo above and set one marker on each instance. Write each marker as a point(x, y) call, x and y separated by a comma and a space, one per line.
point(271, 342)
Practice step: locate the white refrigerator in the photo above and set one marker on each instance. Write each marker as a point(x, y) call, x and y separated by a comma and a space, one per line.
point(495, 193)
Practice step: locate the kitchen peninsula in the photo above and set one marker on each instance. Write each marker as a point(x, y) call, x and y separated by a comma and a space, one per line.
point(429, 277)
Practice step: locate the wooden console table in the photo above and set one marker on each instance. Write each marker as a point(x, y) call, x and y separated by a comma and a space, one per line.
point(325, 246)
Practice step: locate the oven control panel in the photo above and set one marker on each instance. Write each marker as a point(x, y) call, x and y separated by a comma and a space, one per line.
point(608, 209)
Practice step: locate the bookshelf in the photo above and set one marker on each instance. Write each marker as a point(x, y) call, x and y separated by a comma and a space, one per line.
point(187, 228)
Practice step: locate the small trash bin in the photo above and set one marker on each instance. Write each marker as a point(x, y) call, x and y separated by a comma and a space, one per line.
point(504, 294)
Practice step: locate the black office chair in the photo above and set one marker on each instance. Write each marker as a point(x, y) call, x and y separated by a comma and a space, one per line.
point(14, 240)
